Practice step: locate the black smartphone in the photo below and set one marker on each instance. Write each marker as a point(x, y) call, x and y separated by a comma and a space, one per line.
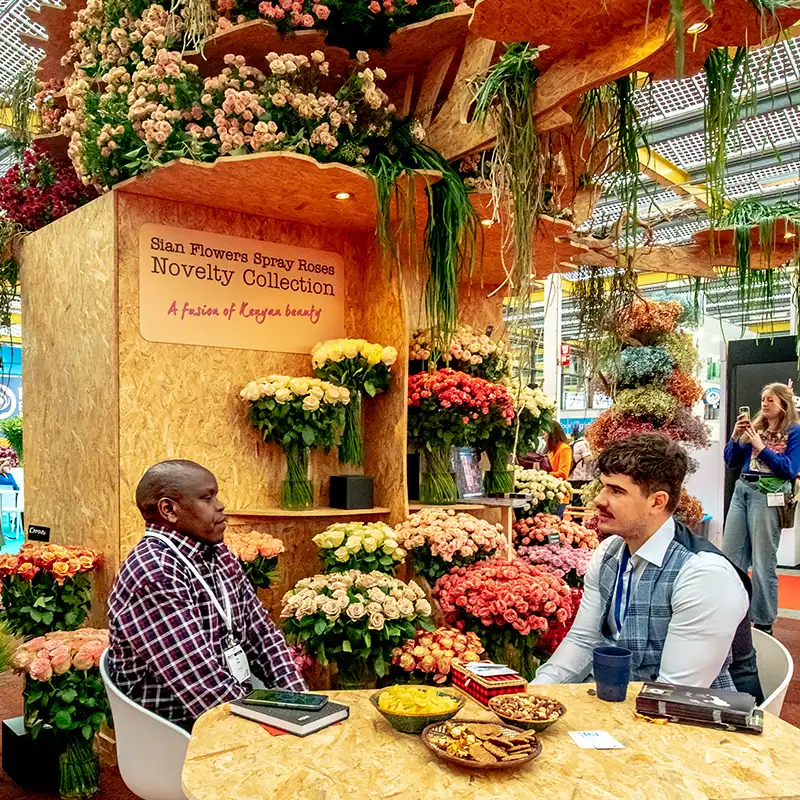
point(278, 698)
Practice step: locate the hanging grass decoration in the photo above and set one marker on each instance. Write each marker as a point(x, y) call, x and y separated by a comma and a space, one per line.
point(18, 98)
point(600, 298)
point(721, 115)
point(506, 92)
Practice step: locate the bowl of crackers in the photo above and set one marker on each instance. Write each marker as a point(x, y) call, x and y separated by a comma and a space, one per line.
point(531, 712)
point(478, 744)
point(410, 709)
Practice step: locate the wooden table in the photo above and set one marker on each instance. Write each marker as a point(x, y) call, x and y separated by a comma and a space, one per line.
point(233, 758)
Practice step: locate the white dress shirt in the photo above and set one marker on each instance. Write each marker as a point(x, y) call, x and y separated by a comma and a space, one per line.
point(708, 603)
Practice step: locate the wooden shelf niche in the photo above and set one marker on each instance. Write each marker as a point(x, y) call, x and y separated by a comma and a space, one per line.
point(111, 403)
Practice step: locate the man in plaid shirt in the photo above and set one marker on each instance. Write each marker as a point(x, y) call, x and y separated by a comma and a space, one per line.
point(168, 639)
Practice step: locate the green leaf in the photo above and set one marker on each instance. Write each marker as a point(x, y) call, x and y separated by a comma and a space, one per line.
point(87, 732)
point(63, 720)
point(370, 389)
point(68, 695)
point(319, 627)
point(347, 647)
point(308, 435)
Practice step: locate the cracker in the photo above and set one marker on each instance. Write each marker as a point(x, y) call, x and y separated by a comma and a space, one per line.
point(501, 741)
point(480, 754)
point(518, 749)
point(483, 730)
point(496, 751)
point(523, 738)
point(517, 756)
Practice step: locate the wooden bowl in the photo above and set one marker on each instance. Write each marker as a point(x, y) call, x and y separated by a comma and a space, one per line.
point(416, 723)
point(526, 724)
point(469, 763)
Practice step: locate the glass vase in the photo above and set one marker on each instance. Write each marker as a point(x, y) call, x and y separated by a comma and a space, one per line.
point(499, 479)
point(297, 491)
point(438, 482)
point(354, 674)
point(78, 767)
point(351, 449)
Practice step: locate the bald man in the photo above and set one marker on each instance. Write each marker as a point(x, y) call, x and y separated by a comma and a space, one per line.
point(187, 630)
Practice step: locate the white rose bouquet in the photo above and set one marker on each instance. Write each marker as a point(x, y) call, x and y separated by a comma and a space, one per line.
point(297, 414)
point(366, 546)
point(355, 619)
point(535, 411)
point(361, 367)
point(548, 492)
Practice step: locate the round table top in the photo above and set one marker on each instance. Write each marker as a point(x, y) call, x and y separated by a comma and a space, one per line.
point(364, 756)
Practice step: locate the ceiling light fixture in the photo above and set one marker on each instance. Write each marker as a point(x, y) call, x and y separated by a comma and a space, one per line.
point(698, 27)
point(342, 195)
point(789, 235)
point(487, 223)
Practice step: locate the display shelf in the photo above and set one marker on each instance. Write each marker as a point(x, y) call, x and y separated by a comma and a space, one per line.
point(309, 512)
point(454, 507)
point(56, 20)
point(279, 185)
point(55, 144)
point(410, 48)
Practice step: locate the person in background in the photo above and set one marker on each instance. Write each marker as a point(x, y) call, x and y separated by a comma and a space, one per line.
point(655, 588)
point(185, 625)
point(559, 452)
point(583, 462)
point(768, 451)
point(6, 478)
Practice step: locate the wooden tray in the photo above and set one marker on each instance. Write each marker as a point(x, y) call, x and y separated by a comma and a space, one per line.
point(439, 727)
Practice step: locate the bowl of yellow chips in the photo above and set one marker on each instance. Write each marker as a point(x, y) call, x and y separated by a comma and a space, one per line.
point(410, 709)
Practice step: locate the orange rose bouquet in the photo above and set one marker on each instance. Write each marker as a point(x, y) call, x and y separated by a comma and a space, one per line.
point(46, 587)
point(258, 553)
point(430, 653)
point(64, 690)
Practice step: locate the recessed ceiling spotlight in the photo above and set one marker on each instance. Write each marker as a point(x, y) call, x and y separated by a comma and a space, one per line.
point(487, 223)
point(342, 195)
point(698, 27)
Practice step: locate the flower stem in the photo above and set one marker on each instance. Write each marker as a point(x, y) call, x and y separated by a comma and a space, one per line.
point(297, 491)
point(351, 450)
point(499, 479)
point(438, 483)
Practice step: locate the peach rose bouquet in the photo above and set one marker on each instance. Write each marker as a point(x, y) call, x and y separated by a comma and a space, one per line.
point(430, 653)
point(46, 587)
point(258, 553)
point(63, 690)
point(355, 619)
point(440, 539)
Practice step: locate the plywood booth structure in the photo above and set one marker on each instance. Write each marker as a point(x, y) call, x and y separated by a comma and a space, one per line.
point(107, 401)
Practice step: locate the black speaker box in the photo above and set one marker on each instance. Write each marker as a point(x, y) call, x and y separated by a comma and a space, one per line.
point(352, 491)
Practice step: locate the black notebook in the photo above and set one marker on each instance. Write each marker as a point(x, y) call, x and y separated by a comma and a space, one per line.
point(700, 706)
point(293, 720)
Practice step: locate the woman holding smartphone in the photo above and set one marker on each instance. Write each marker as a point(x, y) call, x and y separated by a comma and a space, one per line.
point(768, 451)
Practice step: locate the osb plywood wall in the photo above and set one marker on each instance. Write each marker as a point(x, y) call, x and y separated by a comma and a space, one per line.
point(179, 401)
point(70, 372)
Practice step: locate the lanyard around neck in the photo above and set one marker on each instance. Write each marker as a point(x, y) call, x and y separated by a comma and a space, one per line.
point(619, 617)
point(225, 613)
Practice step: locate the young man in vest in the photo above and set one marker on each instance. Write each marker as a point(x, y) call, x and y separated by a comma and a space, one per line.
point(653, 587)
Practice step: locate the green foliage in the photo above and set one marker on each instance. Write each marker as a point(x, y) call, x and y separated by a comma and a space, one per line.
point(39, 605)
point(74, 703)
point(11, 428)
point(721, 116)
point(18, 96)
point(290, 425)
point(261, 571)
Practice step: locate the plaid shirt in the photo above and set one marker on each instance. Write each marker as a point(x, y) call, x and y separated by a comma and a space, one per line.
point(167, 639)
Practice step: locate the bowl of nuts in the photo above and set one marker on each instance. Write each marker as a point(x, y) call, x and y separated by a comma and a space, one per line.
point(527, 711)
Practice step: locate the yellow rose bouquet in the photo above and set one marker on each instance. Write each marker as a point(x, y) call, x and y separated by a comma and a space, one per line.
point(360, 367)
point(367, 546)
point(297, 414)
point(258, 553)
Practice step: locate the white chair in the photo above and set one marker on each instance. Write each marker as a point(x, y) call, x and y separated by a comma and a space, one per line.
point(150, 749)
point(775, 670)
point(10, 506)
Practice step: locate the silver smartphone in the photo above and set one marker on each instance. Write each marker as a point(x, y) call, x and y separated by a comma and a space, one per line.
point(744, 411)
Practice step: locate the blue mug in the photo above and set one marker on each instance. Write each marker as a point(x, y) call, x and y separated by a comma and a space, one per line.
point(612, 673)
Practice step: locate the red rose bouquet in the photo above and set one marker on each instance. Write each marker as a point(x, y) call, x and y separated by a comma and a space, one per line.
point(509, 604)
point(46, 587)
point(548, 643)
point(428, 655)
point(447, 408)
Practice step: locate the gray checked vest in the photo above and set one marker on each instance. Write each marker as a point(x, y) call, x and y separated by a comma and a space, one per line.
point(649, 612)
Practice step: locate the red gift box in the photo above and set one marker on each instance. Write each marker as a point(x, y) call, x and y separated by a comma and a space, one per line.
point(484, 688)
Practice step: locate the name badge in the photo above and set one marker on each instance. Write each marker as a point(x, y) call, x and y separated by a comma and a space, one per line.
point(237, 663)
point(776, 499)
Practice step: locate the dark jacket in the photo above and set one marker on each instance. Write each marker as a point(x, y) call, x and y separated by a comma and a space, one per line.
point(743, 669)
